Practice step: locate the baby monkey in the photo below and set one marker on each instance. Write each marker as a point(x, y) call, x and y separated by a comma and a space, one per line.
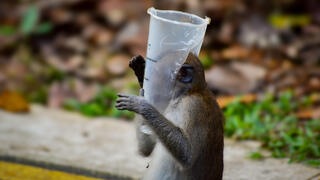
point(187, 139)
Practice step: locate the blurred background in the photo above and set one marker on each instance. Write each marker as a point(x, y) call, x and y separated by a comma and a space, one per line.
point(262, 60)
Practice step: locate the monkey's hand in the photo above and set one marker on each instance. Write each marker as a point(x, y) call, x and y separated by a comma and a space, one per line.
point(136, 104)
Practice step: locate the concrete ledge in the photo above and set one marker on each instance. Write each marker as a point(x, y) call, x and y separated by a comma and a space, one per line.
point(109, 145)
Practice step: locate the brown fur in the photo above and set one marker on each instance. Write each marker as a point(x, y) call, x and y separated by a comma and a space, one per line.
point(189, 133)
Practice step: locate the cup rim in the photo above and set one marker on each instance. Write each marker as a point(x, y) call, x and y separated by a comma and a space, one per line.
point(205, 20)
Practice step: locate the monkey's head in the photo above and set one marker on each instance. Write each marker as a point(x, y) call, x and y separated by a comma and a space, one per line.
point(190, 77)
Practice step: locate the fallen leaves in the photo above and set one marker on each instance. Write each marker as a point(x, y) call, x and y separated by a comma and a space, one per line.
point(235, 52)
point(302, 79)
point(224, 101)
point(236, 77)
point(118, 64)
point(310, 109)
point(90, 42)
point(13, 102)
point(59, 92)
point(310, 113)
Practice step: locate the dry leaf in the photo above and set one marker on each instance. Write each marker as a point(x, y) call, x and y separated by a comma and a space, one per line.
point(13, 102)
point(58, 93)
point(309, 113)
point(118, 64)
point(97, 34)
point(235, 52)
point(224, 101)
point(235, 78)
point(61, 16)
point(102, 37)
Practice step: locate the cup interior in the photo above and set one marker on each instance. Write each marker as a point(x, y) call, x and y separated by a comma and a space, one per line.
point(178, 17)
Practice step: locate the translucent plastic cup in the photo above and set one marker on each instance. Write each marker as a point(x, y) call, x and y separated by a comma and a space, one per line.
point(172, 35)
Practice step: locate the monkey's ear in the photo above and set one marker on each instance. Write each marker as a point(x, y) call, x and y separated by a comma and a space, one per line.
point(186, 73)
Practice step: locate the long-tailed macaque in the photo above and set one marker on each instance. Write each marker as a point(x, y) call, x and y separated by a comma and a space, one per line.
point(186, 141)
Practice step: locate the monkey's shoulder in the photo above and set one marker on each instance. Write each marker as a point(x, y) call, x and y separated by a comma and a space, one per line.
point(205, 101)
point(197, 107)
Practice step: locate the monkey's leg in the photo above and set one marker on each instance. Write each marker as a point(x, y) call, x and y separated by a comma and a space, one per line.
point(137, 64)
point(146, 139)
point(170, 135)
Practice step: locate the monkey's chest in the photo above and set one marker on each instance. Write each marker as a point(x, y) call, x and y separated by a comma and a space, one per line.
point(176, 117)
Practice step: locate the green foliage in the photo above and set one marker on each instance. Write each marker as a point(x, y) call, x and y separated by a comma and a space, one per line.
point(272, 122)
point(29, 20)
point(286, 21)
point(6, 30)
point(44, 28)
point(29, 24)
point(38, 96)
point(256, 156)
point(314, 162)
point(101, 105)
point(53, 74)
point(206, 61)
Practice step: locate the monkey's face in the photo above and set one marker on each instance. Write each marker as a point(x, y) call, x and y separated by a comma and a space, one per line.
point(190, 77)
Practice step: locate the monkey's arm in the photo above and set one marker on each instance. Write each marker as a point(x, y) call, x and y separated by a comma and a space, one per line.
point(170, 135)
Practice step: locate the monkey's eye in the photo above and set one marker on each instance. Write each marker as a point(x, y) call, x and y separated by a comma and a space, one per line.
point(185, 74)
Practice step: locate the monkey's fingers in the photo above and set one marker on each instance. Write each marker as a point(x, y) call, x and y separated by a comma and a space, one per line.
point(141, 93)
point(121, 107)
point(123, 95)
point(126, 107)
point(122, 99)
point(121, 104)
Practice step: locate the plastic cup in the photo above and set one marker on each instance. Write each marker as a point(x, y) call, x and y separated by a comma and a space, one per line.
point(172, 35)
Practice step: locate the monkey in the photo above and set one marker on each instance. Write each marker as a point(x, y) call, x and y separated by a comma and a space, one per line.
point(186, 141)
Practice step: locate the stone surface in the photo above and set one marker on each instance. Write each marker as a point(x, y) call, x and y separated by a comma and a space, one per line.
point(109, 145)
point(239, 166)
point(70, 139)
